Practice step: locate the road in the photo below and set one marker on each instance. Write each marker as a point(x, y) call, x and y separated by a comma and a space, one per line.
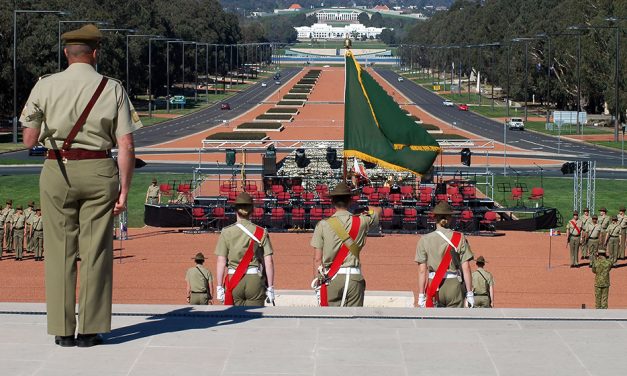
point(491, 129)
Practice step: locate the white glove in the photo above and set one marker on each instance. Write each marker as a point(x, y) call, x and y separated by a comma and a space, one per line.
point(422, 301)
point(470, 299)
point(270, 294)
point(317, 295)
point(220, 293)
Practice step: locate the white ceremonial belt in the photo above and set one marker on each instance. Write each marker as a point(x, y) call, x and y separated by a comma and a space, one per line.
point(448, 274)
point(251, 270)
point(349, 271)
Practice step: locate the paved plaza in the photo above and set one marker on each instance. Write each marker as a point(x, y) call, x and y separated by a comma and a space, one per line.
point(217, 340)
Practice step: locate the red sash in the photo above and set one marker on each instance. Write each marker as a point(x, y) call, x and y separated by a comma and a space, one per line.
point(231, 282)
point(575, 226)
point(339, 260)
point(442, 268)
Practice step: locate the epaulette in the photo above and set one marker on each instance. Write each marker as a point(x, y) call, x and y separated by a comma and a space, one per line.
point(114, 79)
point(44, 76)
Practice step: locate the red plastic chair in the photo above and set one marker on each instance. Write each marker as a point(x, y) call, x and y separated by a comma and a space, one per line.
point(283, 198)
point(322, 189)
point(297, 190)
point(517, 193)
point(258, 216)
point(387, 218)
point(367, 190)
point(315, 216)
point(309, 198)
point(325, 199)
point(466, 221)
point(441, 197)
point(537, 193)
point(383, 191)
point(225, 188)
point(488, 218)
point(374, 199)
point(452, 190)
point(410, 219)
point(469, 191)
point(395, 199)
point(298, 217)
point(276, 189)
point(277, 218)
point(327, 212)
point(166, 189)
point(426, 190)
point(184, 188)
point(231, 196)
point(407, 191)
point(199, 217)
point(457, 200)
point(258, 197)
point(250, 188)
point(219, 216)
point(425, 200)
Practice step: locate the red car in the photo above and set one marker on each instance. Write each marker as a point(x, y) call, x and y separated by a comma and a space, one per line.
point(225, 106)
point(463, 107)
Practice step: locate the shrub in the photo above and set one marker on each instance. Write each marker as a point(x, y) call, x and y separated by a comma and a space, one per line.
point(237, 136)
point(282, 110)
point(291, 103)
point(296, 96)
point(275, 117)
point(269, 126)
point(450, 136)
point(429, 127)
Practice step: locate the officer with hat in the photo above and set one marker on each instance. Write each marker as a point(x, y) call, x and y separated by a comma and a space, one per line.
point(593, 234)
point(604, 221)
point(449, 249)
point(80, 115)
point(4, 223)
point(337, 242)
point(574, 232)
point(483, 285)
point(585, 221)
point(37, 235)
point(199, 282)
point(622, 222)
point(601, 268)
point(29, 212)
point(18, 224)
point(245, 267)
point(612, 242)
point(6, 216)
point(153, 195)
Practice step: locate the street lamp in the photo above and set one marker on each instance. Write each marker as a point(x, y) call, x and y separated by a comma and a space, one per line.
point(616, 77)
point(183, 43)
point(150, 40)
point(128, 36)
point(15, 13)
point(130, 31)
point(526, 40)
point(59, 36)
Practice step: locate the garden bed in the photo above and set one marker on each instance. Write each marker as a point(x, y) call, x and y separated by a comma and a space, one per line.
point(300, 97)
point(260, 126)
point(291, 103)
point(277, 117)
point(282, 110)
point(237, 136)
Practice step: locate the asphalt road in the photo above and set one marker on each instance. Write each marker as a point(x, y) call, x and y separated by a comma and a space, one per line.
point(484, 127)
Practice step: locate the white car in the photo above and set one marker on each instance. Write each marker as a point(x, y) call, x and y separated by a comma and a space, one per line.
point(263, 84)
point(448, 103)
point(400, 79)
point(516, 124)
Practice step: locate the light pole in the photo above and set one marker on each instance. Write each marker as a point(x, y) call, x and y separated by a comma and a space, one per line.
point(616, 80)
point(15, 13)
point(128, 36)
point(150, 40)
point(59, 36)
point(526, 40)
point(183, 43)
point(129, 31)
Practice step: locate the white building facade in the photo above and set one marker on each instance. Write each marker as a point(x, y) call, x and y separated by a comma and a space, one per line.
point(325, 31)
point(337, 15)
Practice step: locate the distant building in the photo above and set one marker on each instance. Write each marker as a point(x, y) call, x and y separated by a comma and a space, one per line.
point(337, 15)
point(381, 7)
point(295, 7)
point(325, 31)
point(292, 8)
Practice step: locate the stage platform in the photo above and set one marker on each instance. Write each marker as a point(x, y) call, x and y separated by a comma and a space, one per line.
point(217, 340)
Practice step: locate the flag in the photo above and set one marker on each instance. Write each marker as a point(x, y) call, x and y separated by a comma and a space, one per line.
point(359, 169)
point(377, 130)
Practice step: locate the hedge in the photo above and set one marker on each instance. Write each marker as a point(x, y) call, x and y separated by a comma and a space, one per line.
point(303, 86)
point(291, 103)
point(450, 136)
point(282, 110)
point(430, 127)
point(275, 117)
point(296, 96)
point(414, 117)
point(237, 136)
point(300, 91)
point(267, 126)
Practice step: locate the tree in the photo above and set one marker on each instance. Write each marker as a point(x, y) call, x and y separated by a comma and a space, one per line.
point(376, 20)
point(387, 37)
point(364, 18)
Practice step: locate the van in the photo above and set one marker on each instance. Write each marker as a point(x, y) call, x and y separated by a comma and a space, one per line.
point(516, 124)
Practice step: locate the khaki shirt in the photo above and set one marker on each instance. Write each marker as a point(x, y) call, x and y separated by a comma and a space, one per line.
point(29, 213)
point(38, 223)
point(198, 278)
point(233, 243)
point(56, 102)
point(4, 216)
point(613, 230)
point(153, 191)
point(570, 229)
point(431, 248)
point(604, 221)
point(18, 221)
point(593, 230)
point(585, 220)
point(622, 221)
point(481, 281)
point(326, 239)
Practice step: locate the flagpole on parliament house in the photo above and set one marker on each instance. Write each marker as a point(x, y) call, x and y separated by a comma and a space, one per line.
point(347, 46)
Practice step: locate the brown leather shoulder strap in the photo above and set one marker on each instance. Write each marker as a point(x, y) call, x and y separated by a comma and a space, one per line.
point(81, 120)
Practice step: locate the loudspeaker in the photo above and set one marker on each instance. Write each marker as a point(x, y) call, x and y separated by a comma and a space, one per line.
point(440, 188)
point(332, 159)
point(568, 168)
point(230, 157)
point(271, 152)
point(301, 159)
point(466, 156)
point(269, 165)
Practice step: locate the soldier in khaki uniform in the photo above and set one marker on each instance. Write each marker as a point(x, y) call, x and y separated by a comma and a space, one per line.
point(483, 285)
point(612, 242)
point(199, 282)
point(585, 220)
point(37, 235)
point(3, 224)
point(429, 254)
point(81, 186)
point(153, 195)
point(593, 233)
point(604, 221)
point(8, 217)
point(601, 268)
point(622, 222)
point(29, 212)
point(232, 245)
point(574, 232)
point(18, 224)
point(348, 286)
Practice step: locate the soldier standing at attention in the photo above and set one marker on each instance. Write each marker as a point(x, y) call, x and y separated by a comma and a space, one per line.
point(3, 217)
point(337, 242)
point(443, 256)
point(199, 282)
point(153, 195)
point(574, 233)
point(37, 234)
point(622, 222)
point(585, 220)
point(601, 268)
point(80, 115)
point(593, 233)
point(483, 285)
point(244, 251)
point(18, 224)
point(612, 242)
point(29, 212)
point(8, 218)
point(604, 221)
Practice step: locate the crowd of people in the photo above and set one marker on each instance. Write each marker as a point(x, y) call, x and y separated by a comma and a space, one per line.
point(21, 231)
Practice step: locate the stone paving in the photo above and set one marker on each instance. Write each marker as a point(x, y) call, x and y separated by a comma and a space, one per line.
point(217, 340)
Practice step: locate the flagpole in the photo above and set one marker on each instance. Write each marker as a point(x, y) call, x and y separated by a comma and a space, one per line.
point(347, 46)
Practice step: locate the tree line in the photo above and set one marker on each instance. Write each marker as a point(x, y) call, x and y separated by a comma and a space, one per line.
point(577, 31)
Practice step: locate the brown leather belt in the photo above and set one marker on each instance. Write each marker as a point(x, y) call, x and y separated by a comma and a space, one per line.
point(78, 154)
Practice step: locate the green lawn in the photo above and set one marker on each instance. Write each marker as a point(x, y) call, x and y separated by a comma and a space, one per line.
point(566, 130)
point(32, 160)
point(23, 188)
point(340, 44)
point(611, 144)
point(558, 193)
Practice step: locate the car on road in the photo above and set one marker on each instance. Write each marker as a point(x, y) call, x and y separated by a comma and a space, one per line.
point(37, 150)
point(515, 124)
point(277, 82)
point(263, 84)
point(448, 103)
point(225, 106)
point(400, 79)
point(463, 107)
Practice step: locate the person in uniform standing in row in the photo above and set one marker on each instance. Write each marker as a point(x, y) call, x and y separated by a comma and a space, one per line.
point(601, 268)
point(29, 212)
point(593, 233)
point(585, 220)
point(18, 225)
point(612, 242)
point(8, 218)
point(199, 282)
point(80, 115)
point(574, 232)
point(337, 242)
point(245, 253)
point(622, 222)
point(153, 195)
point(3, 219)
point(37, 235)
point(443, 258)
point(604, 221)
point(483, 285)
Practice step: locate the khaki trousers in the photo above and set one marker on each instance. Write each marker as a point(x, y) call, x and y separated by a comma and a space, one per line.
point(197, 298)
point(573, 245)
point(1, 239)
point(593, 247)
point(482, 301)
point(450, 294)
point(612, 249)
point(621, 249)
point(18, 242)
point(354, 294)
point(601, 295)
point(8, 238)
point(38, 243)
point(78, 199)
point(250, 291)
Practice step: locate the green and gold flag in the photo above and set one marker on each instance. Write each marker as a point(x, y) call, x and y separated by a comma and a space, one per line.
point(377, 130)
